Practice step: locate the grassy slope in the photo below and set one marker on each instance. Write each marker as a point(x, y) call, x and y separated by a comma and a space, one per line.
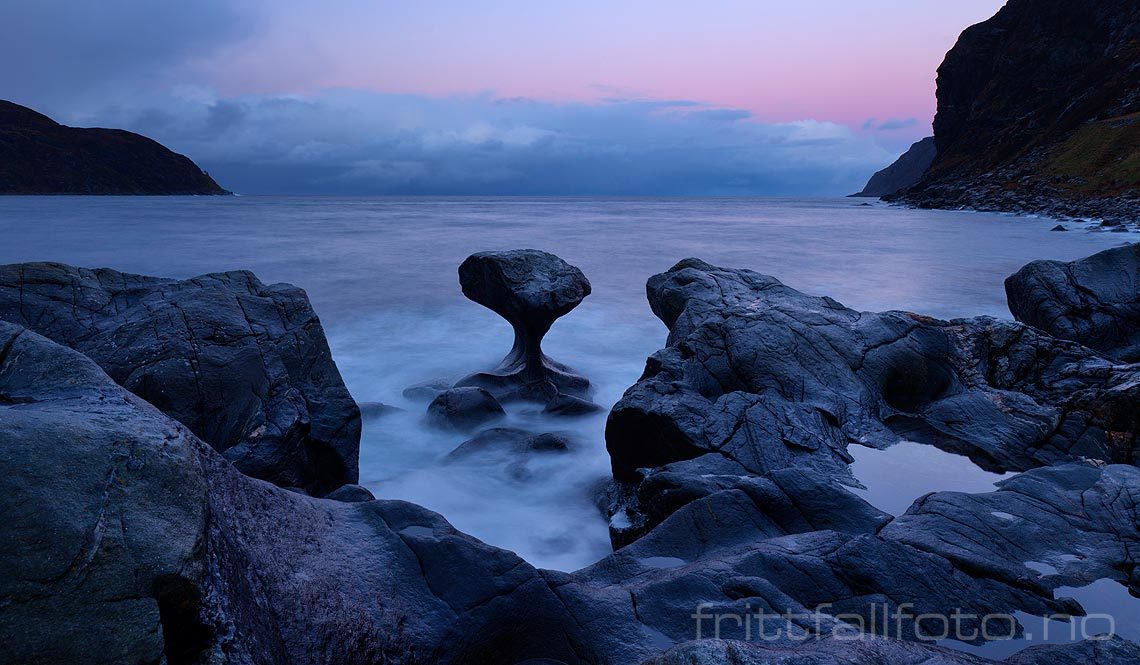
point(1101, 158)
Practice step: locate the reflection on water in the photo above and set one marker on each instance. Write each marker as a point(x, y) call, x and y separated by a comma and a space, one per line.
point(381, 272)
point(1109, 609)
point(895, 477)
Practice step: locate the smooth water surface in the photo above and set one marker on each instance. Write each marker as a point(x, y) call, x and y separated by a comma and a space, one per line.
point(381, 272)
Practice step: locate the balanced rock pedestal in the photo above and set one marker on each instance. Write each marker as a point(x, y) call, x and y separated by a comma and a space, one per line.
point(530, 289)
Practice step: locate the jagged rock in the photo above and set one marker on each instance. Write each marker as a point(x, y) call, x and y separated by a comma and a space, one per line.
point(1040, 516)
point(128, 540)
point(758, 377)
point(1100, 651)
point(1059, 227)
point(464, 408)
point(426, 391)
point(530, 289)
point(41, 156)
point(1094, 300)
point(568, 405)
point(351, 494)
point(788, 545)
point(244, 365)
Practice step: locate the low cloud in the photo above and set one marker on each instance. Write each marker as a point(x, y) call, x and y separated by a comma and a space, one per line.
point(892, 124)
point(360, 142)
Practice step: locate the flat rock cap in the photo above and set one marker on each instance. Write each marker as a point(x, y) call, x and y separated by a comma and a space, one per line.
point(523, 282)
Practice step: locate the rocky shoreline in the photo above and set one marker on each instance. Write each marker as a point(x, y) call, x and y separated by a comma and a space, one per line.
point(1122, 212)
point(180, 456)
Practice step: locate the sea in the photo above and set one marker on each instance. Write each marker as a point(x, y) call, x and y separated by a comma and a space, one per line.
point(381, 274)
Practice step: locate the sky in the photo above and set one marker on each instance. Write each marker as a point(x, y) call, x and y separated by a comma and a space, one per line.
point(488, 97)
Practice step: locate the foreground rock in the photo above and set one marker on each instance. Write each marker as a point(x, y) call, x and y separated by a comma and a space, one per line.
point(1094, 300)
point(759, 377)
point(792, 555)
point(244, 365)
point(531, 289)
point(130, 540)
point(41, 156)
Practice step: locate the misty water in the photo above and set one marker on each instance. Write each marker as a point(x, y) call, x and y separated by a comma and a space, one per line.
point(381, 273)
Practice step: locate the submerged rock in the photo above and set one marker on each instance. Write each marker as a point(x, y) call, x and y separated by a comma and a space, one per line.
point(568, 405)
point(1094, 300)
point(244, 365)
point(426, 391)
point(530, 289)
point(372, 410)
point(510, 442)
point(464, 408)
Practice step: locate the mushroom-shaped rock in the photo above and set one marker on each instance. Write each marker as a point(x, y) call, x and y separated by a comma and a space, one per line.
point(464, 408)
point(530, 289)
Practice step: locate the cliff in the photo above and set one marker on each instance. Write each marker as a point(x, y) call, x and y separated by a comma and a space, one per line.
point(904, 172)
point(1039, 111)
point(41, 156)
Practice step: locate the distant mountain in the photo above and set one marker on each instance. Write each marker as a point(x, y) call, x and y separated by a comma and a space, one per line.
point(904, 172)
point(1039, 110)
point(40, 156)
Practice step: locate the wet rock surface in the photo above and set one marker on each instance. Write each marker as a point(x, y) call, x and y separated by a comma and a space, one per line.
point(244, 365)
point(531, 289)
point(869, 650)
point(464, 409)
point(1094, 300)
point(132, 540)
point(730, 454)
point(759, 377)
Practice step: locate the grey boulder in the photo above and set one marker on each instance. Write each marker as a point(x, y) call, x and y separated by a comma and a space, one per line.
point(464, 409)
point(1094, 301)
point(244, 365)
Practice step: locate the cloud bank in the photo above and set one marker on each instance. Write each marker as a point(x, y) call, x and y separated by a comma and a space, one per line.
point(353, 142)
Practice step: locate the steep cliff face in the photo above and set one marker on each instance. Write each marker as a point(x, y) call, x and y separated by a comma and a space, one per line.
point(1039, 110)
point(904, 172)
point(41, 156)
